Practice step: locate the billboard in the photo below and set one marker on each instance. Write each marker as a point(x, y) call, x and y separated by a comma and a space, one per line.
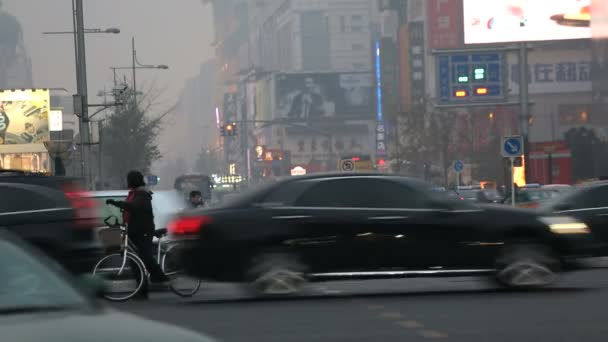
point(502, 21)
point(444, 23)
point(24, 116)
point(309, 97)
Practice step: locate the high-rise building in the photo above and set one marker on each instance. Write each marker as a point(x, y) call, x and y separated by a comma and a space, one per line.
point(15, 64)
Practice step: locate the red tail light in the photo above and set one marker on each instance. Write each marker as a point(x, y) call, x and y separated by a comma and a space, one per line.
point(84, 206)
point(188, 225)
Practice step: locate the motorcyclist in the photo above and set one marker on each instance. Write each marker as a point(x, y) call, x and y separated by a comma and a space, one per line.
point(196, 199)
point(139, 217)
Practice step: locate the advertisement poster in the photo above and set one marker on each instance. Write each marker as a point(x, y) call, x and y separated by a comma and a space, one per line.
point(308, 97)
point(24, 116)
point(501, 21)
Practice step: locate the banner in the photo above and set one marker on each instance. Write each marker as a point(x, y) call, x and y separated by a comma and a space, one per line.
point(24, 116)
point(308, 97)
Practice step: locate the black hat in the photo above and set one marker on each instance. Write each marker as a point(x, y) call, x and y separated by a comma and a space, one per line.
point(135, 179)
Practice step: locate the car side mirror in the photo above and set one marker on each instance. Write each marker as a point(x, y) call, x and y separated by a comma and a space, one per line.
point(92, 286)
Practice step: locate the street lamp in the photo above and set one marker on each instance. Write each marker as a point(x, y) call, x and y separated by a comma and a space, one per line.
point(111, 30)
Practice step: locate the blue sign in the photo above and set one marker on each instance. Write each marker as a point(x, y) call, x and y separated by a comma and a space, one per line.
point(512, 146)
point(471, 78)
point(458, 166)
point(152, 180)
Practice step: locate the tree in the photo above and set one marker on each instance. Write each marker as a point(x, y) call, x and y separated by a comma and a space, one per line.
point(130, 138)
point(588, 153)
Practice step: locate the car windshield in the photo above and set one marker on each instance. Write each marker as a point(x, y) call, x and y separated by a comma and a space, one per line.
point(25, 283)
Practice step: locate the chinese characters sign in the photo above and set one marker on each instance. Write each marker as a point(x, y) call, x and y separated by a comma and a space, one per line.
point(470, 78)
point(548, 72)
point(445, 27)
point(416, 67)
point(381, 140)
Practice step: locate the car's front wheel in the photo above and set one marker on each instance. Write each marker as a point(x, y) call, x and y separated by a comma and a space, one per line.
point(527, 266)
point(276, 274)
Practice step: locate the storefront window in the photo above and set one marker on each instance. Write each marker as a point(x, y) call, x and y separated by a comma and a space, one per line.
point(32, 162)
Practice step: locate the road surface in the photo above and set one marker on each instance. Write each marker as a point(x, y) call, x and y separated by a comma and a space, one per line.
point(454, 309)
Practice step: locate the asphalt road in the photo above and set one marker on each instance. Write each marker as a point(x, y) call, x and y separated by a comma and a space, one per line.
point(454, 309)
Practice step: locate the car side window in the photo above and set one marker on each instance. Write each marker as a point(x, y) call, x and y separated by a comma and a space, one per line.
point(361, 193)
point(15, 199)
point(286, 194)
point(593, 198)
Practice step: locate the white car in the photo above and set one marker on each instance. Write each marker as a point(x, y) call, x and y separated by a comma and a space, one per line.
point(164, 203)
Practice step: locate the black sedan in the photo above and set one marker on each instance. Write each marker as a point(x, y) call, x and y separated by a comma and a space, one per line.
point(358, 226)
point(589, 204)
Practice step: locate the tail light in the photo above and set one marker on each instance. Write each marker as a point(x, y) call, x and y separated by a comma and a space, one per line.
point(188, 225)
point(85, 208)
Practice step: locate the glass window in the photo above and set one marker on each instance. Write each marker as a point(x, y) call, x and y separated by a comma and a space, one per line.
point(26, 282)
point(362, 193)
point(287, 193)
point(15, 199)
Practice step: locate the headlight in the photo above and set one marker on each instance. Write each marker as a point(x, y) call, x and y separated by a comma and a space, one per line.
point(565, 225)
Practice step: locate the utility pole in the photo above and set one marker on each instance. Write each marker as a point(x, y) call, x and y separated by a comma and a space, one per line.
point(524, 110)
point(81, 83)
point(134, 71)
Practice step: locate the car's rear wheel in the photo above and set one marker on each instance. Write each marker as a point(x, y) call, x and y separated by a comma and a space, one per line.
point(276, 274)
point(527, 266)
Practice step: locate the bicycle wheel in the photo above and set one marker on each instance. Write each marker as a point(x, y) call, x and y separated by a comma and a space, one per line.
point(181, 284)
point(122, 279)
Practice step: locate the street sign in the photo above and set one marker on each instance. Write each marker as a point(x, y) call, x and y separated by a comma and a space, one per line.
point(458, 166)
point(476, 77)
point(152, 180)
point(512, 146)
point(347, 165)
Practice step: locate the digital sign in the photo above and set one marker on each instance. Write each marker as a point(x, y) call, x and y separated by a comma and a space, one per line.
point(504, 21)
point(471, 78)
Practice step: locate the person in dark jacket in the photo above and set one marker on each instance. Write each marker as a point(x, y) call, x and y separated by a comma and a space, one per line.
point(139, 217)
point(196, 199)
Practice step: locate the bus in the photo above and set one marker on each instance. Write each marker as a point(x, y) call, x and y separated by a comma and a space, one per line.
point(187, 183)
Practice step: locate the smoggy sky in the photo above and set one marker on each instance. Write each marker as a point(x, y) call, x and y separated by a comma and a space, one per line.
point(173, 32)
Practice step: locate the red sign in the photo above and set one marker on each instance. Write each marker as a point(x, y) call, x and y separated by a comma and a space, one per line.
point(445, 24)
point(559, 163)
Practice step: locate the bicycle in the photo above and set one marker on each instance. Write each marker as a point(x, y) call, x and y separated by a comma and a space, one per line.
point(117, 266)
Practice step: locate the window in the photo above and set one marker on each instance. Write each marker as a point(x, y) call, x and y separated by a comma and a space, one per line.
point(364, 192)
point(358, 47)
point(16, 199)
point(286, 193)
point(594, 198)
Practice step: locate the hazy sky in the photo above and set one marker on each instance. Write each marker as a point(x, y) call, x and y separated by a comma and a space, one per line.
point(173, 32)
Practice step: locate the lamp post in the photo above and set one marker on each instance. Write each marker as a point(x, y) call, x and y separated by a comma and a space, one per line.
point(81, 99)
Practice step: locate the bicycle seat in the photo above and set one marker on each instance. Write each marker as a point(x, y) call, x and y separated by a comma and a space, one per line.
point(160, 233)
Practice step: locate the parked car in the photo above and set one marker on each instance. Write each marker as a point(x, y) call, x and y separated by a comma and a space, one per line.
point(54, 214)
point(588, 203)
point(350, 226)
point(41, 302)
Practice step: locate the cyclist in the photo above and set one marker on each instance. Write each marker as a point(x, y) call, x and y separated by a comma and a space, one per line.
point(139, 217)
point(196, 199)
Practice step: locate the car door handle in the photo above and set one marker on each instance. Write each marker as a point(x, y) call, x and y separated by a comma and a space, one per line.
point(291, 217)
point(387, 218)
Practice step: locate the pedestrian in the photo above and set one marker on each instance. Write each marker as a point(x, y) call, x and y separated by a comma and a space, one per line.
point(139, 218)
point(196, 199)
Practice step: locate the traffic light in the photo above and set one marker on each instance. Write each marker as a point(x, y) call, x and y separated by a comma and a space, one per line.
point(228, 130)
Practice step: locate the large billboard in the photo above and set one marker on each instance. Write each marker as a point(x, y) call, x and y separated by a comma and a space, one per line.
point(310, 97)
point(24, 116)
point(502, 21)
